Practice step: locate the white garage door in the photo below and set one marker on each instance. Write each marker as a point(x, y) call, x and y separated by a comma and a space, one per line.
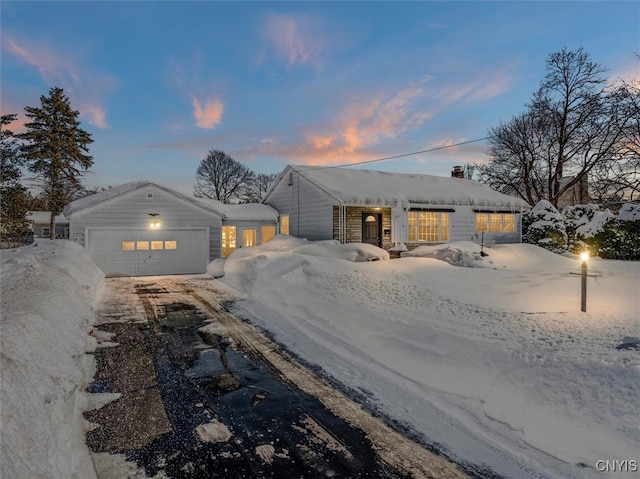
point(147, 252)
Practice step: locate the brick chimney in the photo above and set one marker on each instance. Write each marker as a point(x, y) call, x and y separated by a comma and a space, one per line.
point(457, 172)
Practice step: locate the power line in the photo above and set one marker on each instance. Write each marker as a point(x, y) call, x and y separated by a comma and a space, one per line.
point(386, 158)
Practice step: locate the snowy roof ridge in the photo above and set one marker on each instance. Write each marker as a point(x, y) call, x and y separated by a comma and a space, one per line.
point(45, 217)
point(248, 211)
point(110, 193)
point(383, 188)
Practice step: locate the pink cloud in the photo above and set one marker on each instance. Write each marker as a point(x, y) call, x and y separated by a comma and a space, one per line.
point(96, 115)
point(357, 131)
point(296, 39)
point(209, 115)
point(85, 87)
point(366, 123)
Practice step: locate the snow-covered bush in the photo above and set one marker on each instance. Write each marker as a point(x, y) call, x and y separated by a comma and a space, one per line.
point(585, 226)
point(621, 236)
point(544, 226)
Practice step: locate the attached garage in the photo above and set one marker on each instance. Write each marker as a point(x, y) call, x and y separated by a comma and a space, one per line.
point(142, 228)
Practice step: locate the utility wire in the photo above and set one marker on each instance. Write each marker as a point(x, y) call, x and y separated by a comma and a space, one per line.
point(386, 158)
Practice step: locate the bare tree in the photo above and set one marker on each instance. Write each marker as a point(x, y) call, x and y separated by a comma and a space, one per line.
point(221, 178)
point(258, 187)
point(618, 181)
point(573, 124)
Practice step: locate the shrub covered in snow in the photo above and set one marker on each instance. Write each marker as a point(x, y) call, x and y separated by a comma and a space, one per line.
point(585, 227)
point(544, 226)
point(621, 235)
point(461, 253)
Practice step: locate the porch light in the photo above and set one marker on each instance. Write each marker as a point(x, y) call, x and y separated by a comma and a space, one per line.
point(154, 225)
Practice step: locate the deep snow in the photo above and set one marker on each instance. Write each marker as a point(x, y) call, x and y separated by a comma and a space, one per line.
point(491, 361)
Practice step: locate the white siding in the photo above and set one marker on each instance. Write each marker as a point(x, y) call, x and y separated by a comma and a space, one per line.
point(310, 209)
point(132, 210)
point(463, 224)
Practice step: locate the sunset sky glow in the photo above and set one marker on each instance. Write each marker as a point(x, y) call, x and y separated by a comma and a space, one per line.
point(158, 84)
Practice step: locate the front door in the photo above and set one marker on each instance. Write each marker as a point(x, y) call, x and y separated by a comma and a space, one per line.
point(371, 228)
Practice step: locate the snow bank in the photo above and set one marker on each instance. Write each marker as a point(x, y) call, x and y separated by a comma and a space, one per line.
point(47, 290)
point(495, 364)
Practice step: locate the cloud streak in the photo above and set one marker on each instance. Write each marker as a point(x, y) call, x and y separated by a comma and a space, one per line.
point(296, 40)
point(87, 87)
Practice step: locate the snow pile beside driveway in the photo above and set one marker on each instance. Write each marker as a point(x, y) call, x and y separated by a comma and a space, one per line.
point(496, 365)
point(47, 290)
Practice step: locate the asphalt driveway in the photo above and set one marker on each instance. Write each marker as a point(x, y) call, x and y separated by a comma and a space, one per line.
point(203, 394)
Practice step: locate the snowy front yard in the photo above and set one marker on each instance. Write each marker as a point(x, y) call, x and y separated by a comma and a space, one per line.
point(494, 361)
point(491, 361)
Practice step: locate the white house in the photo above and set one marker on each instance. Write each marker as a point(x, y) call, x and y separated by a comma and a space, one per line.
point(142, 228)
point(386, 209)
point(40, 223)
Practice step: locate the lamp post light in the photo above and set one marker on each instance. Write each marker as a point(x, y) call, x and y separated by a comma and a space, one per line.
point(583, 301)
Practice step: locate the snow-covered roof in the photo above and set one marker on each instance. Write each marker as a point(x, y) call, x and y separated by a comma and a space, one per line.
point(245, 211)
point(45, 217)
point(256, 212)
point(381, 188)
point(114, 191)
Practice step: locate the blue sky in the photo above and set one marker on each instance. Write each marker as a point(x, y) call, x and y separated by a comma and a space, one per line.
point(159, 84)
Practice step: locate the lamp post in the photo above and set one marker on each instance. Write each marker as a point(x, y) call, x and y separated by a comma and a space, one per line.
point(583, 301)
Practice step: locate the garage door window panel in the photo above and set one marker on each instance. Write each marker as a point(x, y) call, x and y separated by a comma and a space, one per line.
point(128, 246)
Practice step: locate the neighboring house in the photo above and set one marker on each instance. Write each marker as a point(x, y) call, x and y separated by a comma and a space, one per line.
point(41, 224)
point(386, 209)
point(578, 194)
point(142, 228)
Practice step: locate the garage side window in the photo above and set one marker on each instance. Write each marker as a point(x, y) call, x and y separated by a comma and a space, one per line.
point(228, 240)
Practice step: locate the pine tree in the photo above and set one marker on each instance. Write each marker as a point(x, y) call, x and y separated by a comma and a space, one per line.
point(13, 195)
point(55, 150)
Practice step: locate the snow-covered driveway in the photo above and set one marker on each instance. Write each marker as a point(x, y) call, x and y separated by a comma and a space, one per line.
point(201, 391)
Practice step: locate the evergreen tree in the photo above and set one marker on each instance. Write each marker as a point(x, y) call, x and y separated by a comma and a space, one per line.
point(56, 150)
point(13, 196)
point(544, 226)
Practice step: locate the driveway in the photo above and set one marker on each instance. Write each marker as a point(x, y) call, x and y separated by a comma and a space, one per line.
point(200, 393)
